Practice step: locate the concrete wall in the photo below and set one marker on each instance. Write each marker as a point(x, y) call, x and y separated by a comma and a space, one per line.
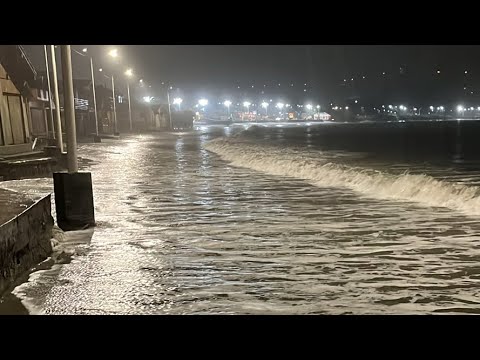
point(25, 241)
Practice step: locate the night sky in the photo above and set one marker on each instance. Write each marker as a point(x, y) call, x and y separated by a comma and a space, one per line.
point(410, 71)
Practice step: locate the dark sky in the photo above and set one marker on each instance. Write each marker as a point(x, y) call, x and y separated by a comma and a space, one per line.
point(410, 70)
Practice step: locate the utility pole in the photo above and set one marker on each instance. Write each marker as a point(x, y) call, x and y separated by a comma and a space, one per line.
point(69, 109)
point(58, 119)
point(51, 133)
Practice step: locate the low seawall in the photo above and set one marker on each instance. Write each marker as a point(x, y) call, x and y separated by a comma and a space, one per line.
point(25, 241)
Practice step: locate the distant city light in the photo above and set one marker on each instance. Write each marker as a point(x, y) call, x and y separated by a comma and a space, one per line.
point(247, 104)
point(460, 108)
point(280, 106)
point(227, 103)
point(203, 102)
point(318, 106)
point(177, 101)
point(84, 50)
point(346, 107)
point(265, 104)
point(309, 106)
point(390, 106)
point(431, 108)
point(100, 69)
point(113, 53)
point(466, 72)
point(129, 72)
point(147, 99)
point(356, 101)
point(438, 71)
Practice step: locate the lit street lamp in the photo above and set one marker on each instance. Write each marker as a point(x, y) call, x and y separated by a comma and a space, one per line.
point(129, 74)
point(265, 106)
point(114, 54)
point(177, 101)
point(247, 105)
point(227, 104)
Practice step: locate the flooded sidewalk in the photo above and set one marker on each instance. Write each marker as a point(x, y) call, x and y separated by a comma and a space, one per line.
point(181, 231)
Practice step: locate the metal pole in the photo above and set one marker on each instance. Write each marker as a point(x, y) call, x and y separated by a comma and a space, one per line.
point(169, 112)
point(69, 109)
point(115, 130)
point(129, 106)
point(94, 96)
point(51, 133)
point(58, 119)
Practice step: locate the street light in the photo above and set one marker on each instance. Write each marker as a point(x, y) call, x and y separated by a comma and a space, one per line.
point(309, 106)
point(203, 102)
point(113, 53)
point(227, 104)
point(280, 106)
point(85, 50)
point(177, 101)
point(247, 105)
point(129, 74)
point(265, 106)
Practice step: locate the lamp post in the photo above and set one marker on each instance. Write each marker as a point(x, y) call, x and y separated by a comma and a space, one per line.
point(114, 54)
point(92, 74)
point(51, 133)
point(58, 119)
point(129, 74)
point(227, 104)
point(265, 106)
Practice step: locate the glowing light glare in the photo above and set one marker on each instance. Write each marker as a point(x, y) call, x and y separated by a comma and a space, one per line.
point(390, 106)
point(129, 72)
point(265, 104)
point(431, 108)
point(460, 108)
point(280, 105)
point(346, 107)
point(318, 106)
point(147, 99)
point(247, 104)
point(227, 103)
point(356, 101)
point(100, 69)
point(309, 106)
point(203, 102)
point(113, 53)
point(177, 101)
point(84, 50)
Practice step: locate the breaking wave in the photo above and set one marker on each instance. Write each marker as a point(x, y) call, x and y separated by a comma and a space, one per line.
point(320, 171)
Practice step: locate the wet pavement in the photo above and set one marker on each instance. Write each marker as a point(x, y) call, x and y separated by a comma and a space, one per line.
point(181, 231)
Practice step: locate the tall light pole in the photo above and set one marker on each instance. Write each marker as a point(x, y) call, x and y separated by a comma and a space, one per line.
point(58, 119)
point(51, 133)
point(114, 54)
point(178, 101)
point(129, 74)
point(227, 104)
point(97, 138)
point(169, 110)
point(247, 105)
point(265, 106)
point(69, 109)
